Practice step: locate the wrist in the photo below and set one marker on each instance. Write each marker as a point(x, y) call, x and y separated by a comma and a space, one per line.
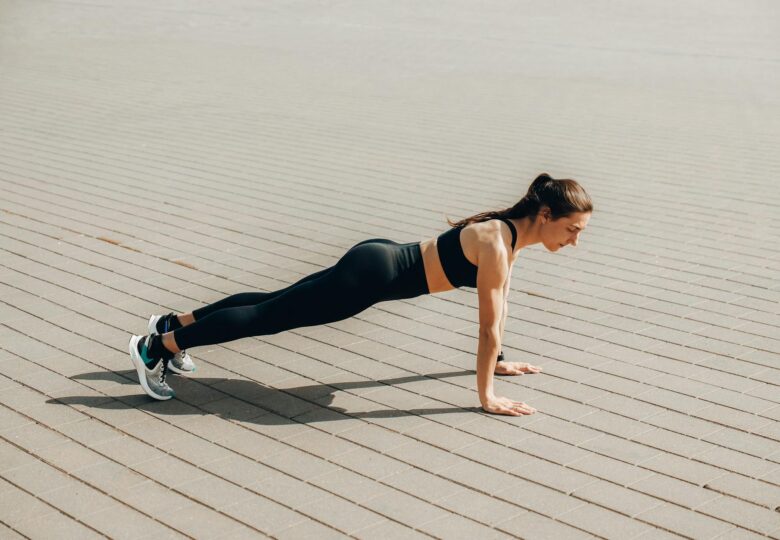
point(485, 397)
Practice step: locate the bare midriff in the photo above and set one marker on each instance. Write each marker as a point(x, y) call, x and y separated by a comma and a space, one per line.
point(434, 273)
point(469, 239)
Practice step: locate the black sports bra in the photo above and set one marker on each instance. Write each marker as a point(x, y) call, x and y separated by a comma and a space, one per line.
point(459, 270)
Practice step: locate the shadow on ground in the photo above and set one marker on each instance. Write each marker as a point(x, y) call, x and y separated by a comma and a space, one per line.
point(249, 401)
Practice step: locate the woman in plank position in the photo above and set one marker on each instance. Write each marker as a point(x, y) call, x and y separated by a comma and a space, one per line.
point(478, 251)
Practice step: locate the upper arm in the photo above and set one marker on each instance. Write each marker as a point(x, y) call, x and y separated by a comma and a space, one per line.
point(492, 274)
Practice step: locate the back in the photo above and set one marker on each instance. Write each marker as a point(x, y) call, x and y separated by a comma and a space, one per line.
point(459, 270)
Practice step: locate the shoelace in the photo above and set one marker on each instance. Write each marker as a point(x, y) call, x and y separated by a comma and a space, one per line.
point(163, 371)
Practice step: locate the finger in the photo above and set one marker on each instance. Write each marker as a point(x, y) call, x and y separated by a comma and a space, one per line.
point(504, 409)
point(525, 407)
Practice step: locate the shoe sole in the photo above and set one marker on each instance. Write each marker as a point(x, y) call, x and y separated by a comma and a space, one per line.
point(152, 327)
point(140, 368)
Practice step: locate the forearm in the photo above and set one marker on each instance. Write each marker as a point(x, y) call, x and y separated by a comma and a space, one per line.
point(487, 354)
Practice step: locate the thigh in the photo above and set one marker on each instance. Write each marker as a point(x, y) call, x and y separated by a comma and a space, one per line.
point(250, 298)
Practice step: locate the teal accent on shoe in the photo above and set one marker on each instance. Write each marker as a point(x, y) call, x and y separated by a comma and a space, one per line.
point(143, 353)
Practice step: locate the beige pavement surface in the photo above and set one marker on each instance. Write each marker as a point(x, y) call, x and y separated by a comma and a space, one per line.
point(158, 155)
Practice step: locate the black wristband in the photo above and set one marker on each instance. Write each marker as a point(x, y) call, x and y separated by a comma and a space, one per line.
point(500, 357)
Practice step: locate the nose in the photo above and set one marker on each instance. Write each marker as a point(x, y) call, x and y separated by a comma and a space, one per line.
point(574, 240)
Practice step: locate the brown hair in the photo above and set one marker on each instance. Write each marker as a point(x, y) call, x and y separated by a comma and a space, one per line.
point(562, 197)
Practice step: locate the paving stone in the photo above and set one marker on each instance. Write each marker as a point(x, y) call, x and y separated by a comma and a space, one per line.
point(495, 455)
point(749, 489)
point(741, 513)
point(389, 529)
point(540, 499)
point(36, 477)
point(301, 464)
point(352, 486)
point(534, 526)
point(308, 529)
point(614, 497)
point(65, 526)
point(740, 534)
point(684, 522)
point(11, 534)
point(291, 492)
point(734, 461)
point(744, 442)
point(479, 507)
point(405, 509)
point(214, 492)
point(668, 441)
point(422, 484)
point(342, 515)
point(553, 475)
point(674, 490)
point(119, 521)
point(603, 522)
point(196, 520)
point(620, 449)
point(552, 450)
point(370, 464)
point(455, 526)
point(153, 499)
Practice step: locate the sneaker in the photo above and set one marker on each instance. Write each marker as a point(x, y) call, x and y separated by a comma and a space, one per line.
point(152, 380)
point(181, 363)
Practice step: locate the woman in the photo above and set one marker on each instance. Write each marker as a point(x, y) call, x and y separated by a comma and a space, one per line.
point(476, 252)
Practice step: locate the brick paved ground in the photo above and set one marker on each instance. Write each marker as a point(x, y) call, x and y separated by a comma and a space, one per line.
point(157, 156)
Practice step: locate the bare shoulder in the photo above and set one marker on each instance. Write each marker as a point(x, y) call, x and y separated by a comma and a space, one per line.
point(490, 250)
point(483, 243)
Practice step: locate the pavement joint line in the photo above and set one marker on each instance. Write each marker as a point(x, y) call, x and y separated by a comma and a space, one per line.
point(464, 485)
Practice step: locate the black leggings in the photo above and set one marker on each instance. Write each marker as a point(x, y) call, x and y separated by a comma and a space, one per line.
point(372, 271)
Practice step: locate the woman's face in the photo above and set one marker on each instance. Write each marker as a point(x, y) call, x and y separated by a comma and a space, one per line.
point(563, 231)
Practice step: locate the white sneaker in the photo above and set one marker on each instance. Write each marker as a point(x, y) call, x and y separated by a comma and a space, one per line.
point(181, 363)
point(152, 380)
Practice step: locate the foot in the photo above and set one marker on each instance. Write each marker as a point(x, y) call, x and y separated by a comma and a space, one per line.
point(181, 363)
point(152, 380)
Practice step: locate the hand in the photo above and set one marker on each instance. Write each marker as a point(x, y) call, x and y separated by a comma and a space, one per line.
point(502, 405)
point(515, 368)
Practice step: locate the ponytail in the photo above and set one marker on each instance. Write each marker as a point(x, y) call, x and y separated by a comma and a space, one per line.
point(562, 197)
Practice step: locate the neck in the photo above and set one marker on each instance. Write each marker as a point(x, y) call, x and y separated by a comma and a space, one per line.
point(527, 232)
